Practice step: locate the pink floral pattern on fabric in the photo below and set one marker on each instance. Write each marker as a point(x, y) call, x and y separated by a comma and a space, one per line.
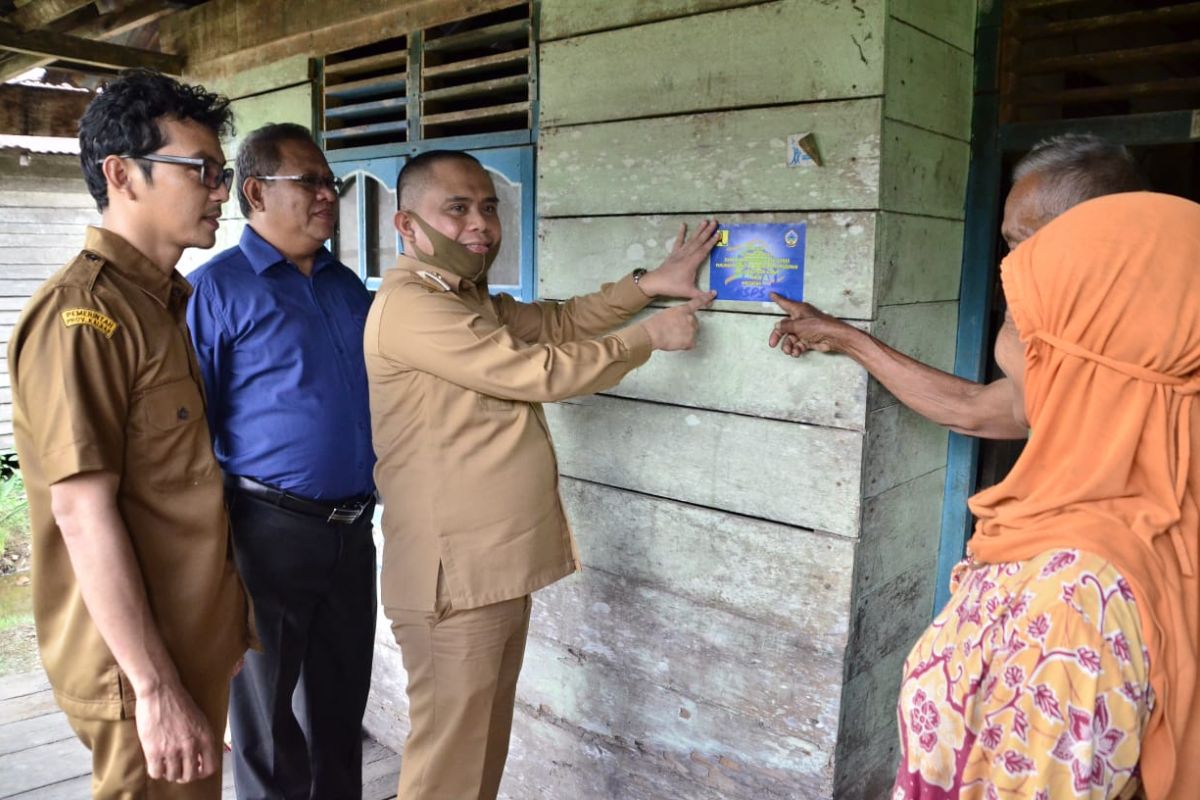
point(1032, 683)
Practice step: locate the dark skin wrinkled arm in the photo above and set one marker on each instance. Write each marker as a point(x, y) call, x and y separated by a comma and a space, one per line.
point(966, 407)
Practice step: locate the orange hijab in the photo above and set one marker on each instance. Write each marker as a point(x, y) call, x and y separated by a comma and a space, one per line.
point(1107, 301)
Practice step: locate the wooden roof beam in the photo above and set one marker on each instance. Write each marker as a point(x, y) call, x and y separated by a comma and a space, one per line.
point(77, 50)
point(102, 29)
point(40, 13)
point(37, 111)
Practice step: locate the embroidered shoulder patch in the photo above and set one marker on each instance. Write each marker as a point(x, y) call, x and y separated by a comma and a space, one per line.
point(92, 318)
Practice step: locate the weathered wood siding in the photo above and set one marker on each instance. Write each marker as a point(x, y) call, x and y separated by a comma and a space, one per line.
point(44, 208)
point(924, 153)
point(700, 63)
point(733, 431)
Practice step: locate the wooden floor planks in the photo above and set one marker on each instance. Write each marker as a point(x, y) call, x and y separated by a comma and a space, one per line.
point(41, 758)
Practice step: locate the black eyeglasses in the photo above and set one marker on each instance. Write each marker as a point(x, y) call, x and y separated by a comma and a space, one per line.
point(311, 182)
point(212, 174)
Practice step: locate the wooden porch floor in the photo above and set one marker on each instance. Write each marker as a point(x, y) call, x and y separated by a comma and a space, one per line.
point(41, 758)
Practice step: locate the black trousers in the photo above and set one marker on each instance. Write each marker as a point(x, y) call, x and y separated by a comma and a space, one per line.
point(296, 709)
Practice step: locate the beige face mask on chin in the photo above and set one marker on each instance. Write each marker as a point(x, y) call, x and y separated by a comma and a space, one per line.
point(452, 256)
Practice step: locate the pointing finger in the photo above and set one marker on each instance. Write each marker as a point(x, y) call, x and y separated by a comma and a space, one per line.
point(790, 306)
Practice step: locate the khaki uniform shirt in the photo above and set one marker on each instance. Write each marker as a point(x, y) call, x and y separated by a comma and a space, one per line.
point(466, 468)
point(104, 378)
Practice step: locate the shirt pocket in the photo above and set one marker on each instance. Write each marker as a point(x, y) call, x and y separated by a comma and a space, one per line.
point(170, 444)
point(495, 405)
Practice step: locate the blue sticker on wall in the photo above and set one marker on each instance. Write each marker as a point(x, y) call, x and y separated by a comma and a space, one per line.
point(751, 261)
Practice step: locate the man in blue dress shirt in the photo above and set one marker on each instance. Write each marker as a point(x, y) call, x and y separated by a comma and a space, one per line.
point(278, 327)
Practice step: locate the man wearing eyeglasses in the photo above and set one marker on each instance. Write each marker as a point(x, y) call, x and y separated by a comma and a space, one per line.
point(278, 327)
point(140, 615)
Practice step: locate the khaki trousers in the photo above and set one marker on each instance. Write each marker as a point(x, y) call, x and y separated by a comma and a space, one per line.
point(462, 683)
point(119, 767)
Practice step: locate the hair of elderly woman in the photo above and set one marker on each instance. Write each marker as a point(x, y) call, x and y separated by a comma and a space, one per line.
point(1077, 167)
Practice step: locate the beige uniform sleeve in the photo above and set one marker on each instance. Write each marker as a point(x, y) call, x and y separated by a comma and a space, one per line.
point(437, 333)
point(69, 373)
point(578, 318)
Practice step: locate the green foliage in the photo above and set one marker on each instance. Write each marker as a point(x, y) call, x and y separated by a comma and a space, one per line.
point(14, 508)
point(9, 467)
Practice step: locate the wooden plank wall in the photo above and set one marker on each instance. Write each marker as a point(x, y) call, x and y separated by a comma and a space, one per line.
point(717, 494)
point(925, 151)
point(698, 128)
point(44, 207)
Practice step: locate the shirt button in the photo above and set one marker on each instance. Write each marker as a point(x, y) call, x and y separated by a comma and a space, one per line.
point(182, 413)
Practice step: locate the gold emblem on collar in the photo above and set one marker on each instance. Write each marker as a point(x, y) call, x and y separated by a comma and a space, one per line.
point(433, 277)
point(73, 317)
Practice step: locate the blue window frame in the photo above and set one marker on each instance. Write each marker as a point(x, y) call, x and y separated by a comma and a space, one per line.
point(367, 240)
point(468, 84)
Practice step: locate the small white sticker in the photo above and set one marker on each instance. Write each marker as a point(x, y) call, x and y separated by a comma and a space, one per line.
point(802, 151)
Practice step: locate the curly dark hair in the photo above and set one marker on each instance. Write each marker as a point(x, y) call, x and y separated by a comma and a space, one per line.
point(124, 118)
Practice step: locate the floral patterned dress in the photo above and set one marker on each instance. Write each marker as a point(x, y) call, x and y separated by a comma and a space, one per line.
point(1032, 683)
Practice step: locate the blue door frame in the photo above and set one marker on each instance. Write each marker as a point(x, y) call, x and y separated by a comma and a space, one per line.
point(990, 143)
point(975, 294)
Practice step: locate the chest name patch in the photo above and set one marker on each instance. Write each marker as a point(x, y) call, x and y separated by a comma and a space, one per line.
point(92, 318)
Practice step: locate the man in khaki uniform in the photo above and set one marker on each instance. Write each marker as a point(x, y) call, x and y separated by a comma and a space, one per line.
point(140, 615)
point(472, 519)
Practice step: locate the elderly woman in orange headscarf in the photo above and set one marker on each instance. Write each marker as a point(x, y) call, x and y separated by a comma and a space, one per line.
point(1064, 665)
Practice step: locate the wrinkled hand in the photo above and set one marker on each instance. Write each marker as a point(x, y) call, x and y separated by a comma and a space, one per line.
point(676, 276)
point(807, 328)
point(175, 736)
point(675, 328)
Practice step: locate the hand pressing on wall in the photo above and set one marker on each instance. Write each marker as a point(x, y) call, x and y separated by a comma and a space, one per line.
point(676, 328)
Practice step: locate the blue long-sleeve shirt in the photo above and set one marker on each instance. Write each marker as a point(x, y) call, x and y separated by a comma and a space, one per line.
point(282, 360)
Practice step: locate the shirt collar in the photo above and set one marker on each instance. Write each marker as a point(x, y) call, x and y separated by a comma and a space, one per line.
point(263, 255)
point(133, 264)
point(456, 283)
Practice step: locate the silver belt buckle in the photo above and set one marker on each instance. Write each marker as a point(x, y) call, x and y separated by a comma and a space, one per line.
point(345, 514)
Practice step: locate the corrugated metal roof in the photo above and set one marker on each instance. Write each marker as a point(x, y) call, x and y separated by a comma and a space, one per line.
point(40, 144)
point(58, 87)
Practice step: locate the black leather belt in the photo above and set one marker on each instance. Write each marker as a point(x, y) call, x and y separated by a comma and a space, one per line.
point(343, 512)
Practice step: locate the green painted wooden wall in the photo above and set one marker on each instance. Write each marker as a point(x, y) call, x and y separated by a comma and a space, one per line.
point(758, 532)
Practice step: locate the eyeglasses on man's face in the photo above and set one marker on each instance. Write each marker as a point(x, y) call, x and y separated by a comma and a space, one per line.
point(312, 183)
point(212, 174)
